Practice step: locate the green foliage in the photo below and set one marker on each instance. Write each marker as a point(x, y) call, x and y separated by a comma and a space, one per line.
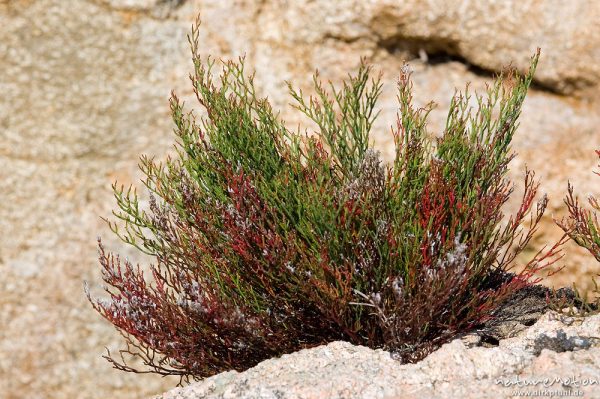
point(266, 241)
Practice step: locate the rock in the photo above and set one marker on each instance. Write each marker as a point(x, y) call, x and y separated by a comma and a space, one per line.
point(490, 35)
point(518, 312)
point(84, 92)
point(566, 352)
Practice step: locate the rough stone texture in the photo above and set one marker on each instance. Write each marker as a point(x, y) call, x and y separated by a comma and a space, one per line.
point(554, 347)
point(84, 87)
point(492, 34)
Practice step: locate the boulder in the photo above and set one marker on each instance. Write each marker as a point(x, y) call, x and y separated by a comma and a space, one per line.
point(555, 355)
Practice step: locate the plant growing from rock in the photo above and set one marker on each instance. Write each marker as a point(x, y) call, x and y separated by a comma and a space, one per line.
point(266, 241)
point(583, 227)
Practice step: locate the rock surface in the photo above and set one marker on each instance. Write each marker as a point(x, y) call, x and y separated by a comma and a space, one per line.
point(554, 355)
point(84, 92)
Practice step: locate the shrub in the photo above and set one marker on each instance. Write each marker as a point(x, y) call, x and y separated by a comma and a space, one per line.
point(266, 241)
point(583, 227)
point(582, 224)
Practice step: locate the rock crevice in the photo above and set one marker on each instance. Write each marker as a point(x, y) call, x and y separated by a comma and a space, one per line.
point(555, 348)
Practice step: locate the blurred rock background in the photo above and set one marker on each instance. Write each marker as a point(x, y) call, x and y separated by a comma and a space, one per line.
point(83, 92)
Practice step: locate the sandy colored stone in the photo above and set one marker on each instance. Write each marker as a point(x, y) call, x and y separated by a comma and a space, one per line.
point(555, 348)
point(84, 92)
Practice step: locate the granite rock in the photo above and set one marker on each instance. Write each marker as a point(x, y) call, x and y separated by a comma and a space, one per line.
point(84, 92)
point(556, 354)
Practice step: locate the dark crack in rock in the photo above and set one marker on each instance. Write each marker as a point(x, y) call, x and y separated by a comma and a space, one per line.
point(521, 310)
point(561, 342)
